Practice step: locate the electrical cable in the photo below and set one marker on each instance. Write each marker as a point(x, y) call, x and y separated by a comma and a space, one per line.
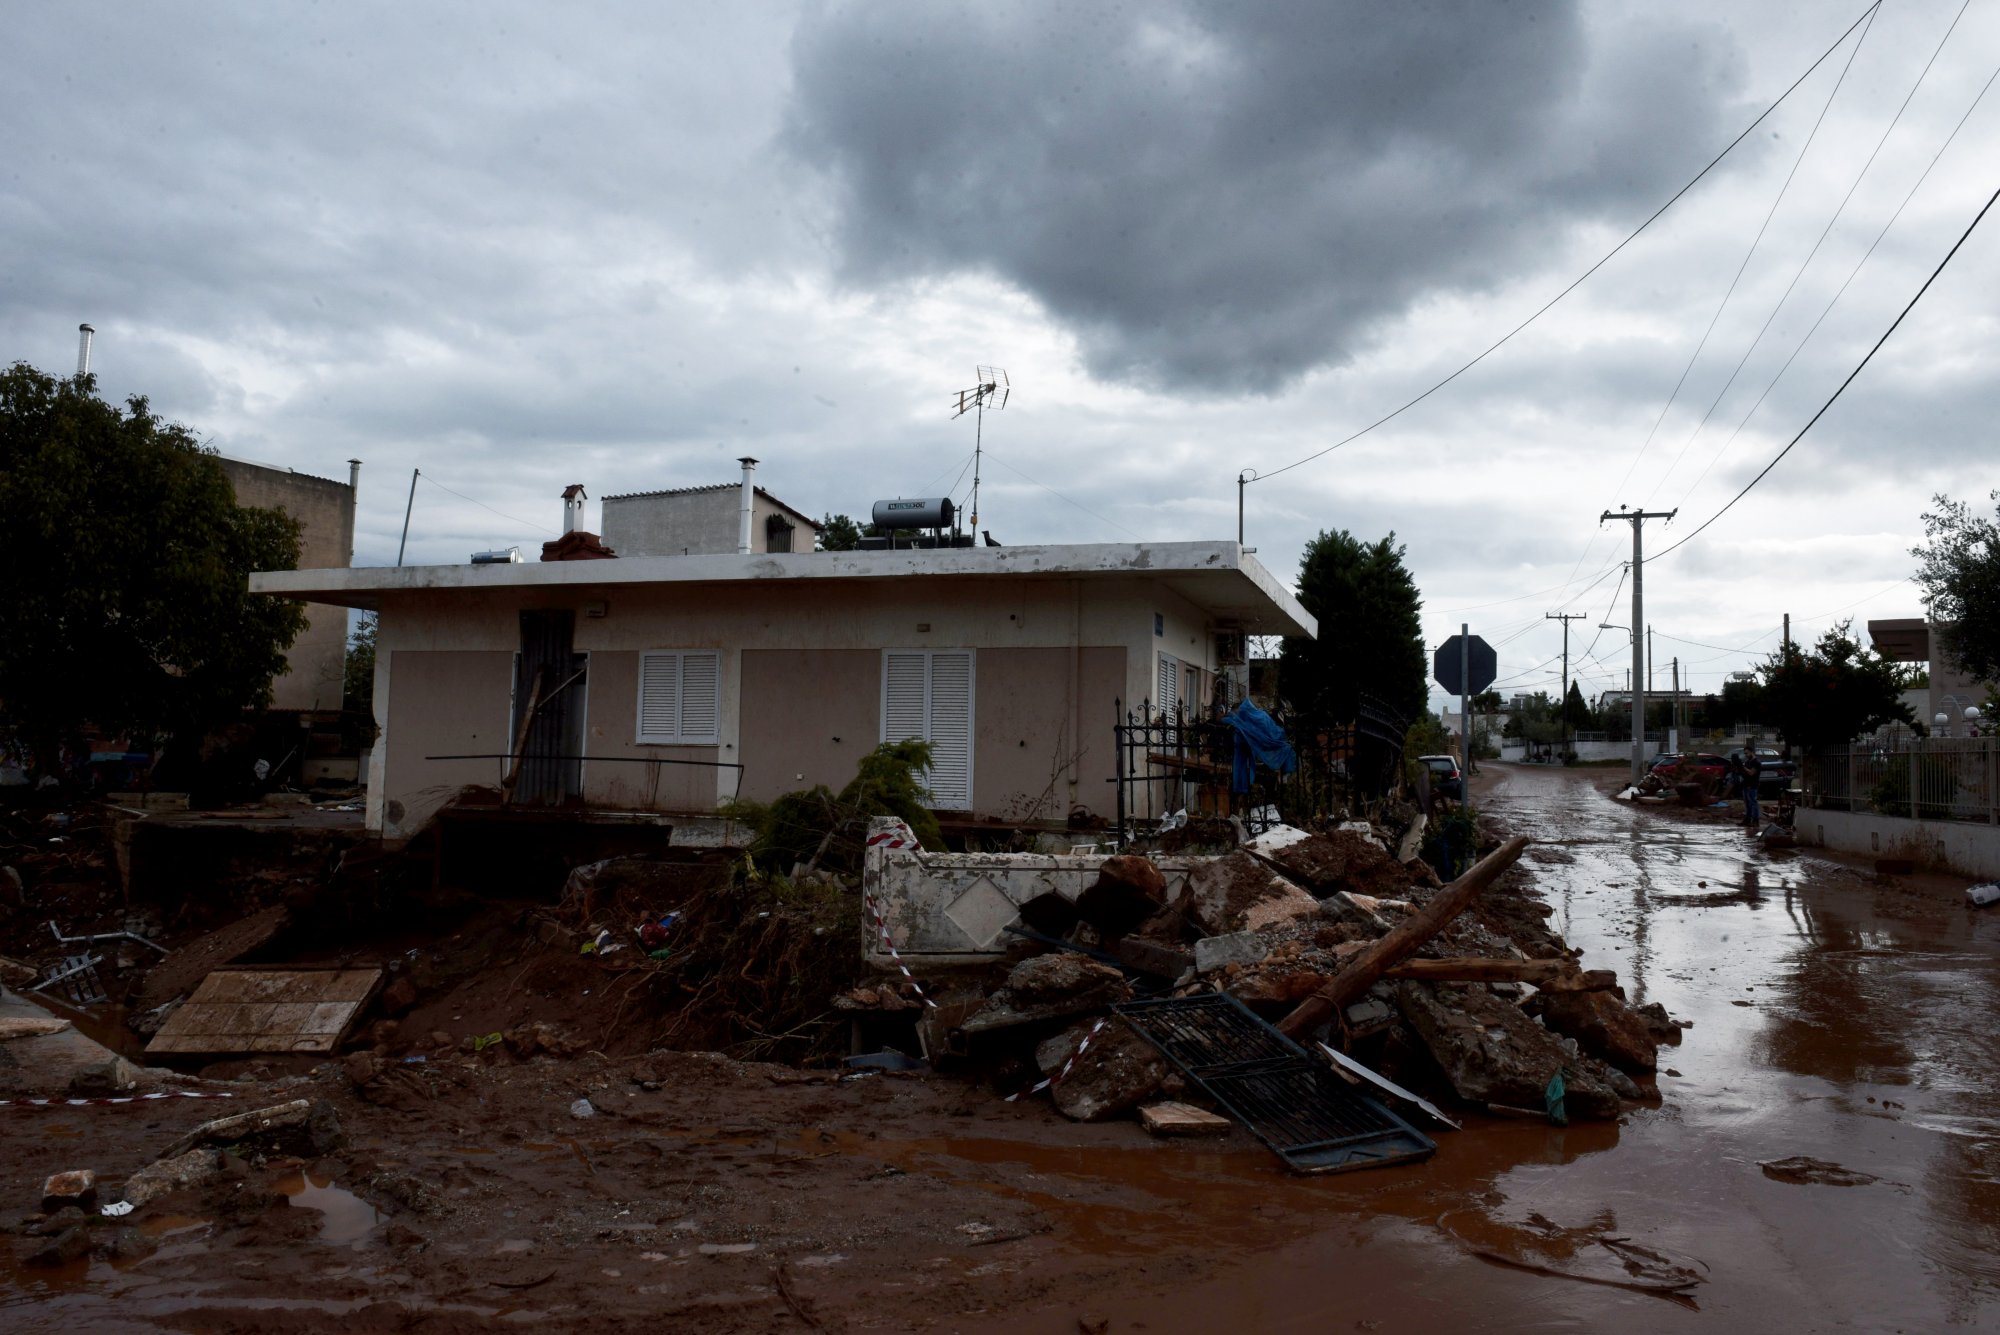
point(1835, 396)
point(1748, 255)
point(1595, 580)
point(484, 506)
point(1633, 236)
point(1723, 448)
point(1806, 263)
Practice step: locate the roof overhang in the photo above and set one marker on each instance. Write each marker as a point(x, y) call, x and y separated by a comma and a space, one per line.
point(1904, 639)
point(1219, 577)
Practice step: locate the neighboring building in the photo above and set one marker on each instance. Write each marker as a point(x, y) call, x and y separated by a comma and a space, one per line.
point(316, 662)
point(1613, 701)
point(762, 674)
point(703, 521)
point(1910, 640)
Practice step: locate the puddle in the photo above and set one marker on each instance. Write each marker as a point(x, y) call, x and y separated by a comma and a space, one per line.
point(347, 1218)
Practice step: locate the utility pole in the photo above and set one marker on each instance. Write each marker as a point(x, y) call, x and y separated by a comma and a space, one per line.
point(1565, 618)
point(1649, 658)
point(407, 505)
point(1465, 703)
point(1787, 641)
point(1674, 742)
point(1638, 518)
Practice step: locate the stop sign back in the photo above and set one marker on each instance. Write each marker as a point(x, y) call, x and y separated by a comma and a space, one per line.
point(1483, 662)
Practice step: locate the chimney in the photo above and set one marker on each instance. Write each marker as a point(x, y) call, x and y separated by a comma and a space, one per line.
point(354, 476)
point(573, 499)
point(749, 504)
point(353, 503)
point(83, 337)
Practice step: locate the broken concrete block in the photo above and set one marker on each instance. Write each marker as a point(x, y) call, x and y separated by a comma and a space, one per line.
point(114, 1075)
point(1129, 890)
point(1115, 1074)
point(178, 1173)
point(1214, 952)
point(1238, 893)
point(1602, 1026)
point(1368, 1015)
point(1155, 959)
point(1057, 976)
point(399, 997)
point(1355, 910)
point(1049, 987)
point(76, 1187)
point(1182, 1119)
point(1493, 1052)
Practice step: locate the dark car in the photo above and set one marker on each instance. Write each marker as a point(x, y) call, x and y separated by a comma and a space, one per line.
point(1446, 781)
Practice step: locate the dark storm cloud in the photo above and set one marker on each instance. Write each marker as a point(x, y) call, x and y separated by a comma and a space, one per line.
point(1225, 196)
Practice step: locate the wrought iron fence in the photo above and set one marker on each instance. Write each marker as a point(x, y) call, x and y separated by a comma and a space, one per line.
point(1173, 761)
point(1927, 778)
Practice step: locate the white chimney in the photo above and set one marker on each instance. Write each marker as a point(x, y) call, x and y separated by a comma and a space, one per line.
point(573, 499)
point(83, 336)
point(748, 505)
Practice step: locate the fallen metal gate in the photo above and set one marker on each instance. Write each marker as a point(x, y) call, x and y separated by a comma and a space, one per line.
point(1296, 1105)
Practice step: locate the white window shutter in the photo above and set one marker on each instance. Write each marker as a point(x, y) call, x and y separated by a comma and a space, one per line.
point(701, 698)
point(1169, 679)
point(659, 696)
point(905, 695)
point(950, 731)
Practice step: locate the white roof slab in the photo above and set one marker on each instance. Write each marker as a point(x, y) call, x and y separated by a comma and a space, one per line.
point(1219, 577)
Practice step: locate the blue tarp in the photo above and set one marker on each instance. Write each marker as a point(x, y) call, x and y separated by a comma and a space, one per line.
point(1258, 739)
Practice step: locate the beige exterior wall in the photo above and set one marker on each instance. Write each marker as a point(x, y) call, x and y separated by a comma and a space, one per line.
point(801, 682)
point(325, 511)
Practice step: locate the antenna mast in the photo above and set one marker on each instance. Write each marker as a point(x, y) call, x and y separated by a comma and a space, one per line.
point(993, 388)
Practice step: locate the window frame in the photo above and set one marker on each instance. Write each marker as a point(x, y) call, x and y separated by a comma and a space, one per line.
point(679, 736)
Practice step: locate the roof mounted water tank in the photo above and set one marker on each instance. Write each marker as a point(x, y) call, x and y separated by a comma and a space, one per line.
point(914, 514)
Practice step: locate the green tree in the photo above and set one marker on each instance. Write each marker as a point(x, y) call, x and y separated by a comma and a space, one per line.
point(1576, 711)
point(124, 600)
point(1370, 636)
point(1486, 702)
point(1832, 694)
point(838, 533)
point(1959, 572)
point(358, 678)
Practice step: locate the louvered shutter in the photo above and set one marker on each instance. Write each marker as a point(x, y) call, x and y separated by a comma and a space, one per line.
point(1169, 679)
point(905, 695)
point(659, 697)
point(701, 698)
point(950, 731)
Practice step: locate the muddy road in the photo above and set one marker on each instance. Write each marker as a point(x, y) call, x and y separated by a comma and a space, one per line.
point(1843, 1030)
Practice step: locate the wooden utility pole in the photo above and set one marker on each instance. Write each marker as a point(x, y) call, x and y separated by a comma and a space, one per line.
point(1563, 714)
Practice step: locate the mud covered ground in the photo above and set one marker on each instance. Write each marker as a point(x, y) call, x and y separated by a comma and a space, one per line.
point(1823, 1154)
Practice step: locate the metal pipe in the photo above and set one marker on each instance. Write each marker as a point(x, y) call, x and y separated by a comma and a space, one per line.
point(87, 938)
point(747, 507)
point(84, 333)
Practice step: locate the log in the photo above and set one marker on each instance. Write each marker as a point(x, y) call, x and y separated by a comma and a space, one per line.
point(1403, 941)
point(1550, 975)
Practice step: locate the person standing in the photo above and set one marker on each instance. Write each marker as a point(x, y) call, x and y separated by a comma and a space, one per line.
point(1753, 777)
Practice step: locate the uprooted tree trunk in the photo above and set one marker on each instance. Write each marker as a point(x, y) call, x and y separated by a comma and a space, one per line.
point(1402, 941)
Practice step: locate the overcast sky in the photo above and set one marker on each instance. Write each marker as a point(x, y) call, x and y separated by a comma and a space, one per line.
point(521, 246)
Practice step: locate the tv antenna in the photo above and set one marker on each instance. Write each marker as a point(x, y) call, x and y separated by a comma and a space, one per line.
point(991, 391)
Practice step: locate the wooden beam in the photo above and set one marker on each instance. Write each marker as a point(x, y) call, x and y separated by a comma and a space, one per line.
point(1403, 941)
point(1549, 975)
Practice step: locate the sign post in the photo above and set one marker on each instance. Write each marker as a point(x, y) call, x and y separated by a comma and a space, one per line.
point(1465, 665)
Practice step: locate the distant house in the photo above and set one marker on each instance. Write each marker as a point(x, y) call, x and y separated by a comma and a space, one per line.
point(671, 683)
point(1914, 640)
point(703, 521)
point(316, 662)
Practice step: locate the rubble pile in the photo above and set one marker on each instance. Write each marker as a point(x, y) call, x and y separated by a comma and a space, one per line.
point(1461, 991)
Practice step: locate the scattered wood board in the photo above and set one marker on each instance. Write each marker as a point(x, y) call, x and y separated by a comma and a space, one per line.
point(1182, 1119)
point(268, 1010)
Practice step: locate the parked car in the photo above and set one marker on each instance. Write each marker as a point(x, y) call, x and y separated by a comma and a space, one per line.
point(1778, 770)
point(1446, 781)
point(1670, 760)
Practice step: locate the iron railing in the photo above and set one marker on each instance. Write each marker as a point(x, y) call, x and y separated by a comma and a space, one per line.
point(1173, 761)
point(1926, 778)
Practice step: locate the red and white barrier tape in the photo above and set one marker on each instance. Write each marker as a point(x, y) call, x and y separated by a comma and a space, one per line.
point(122, 1098)
point(890, 946)
point(1057, 1078)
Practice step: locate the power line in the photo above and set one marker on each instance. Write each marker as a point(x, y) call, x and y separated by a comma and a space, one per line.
point(1842, 291)
point(1595, 580)
point(1966, 236)
point(525, 523)
point(1742, 268)
point(1544, 308)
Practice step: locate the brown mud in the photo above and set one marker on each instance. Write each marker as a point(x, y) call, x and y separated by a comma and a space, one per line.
point(1842, 1028)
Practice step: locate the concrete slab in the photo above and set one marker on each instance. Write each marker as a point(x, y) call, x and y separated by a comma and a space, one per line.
point(268, 1010)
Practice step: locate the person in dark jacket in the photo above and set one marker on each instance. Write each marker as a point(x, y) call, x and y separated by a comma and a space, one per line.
point(1753, 776)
